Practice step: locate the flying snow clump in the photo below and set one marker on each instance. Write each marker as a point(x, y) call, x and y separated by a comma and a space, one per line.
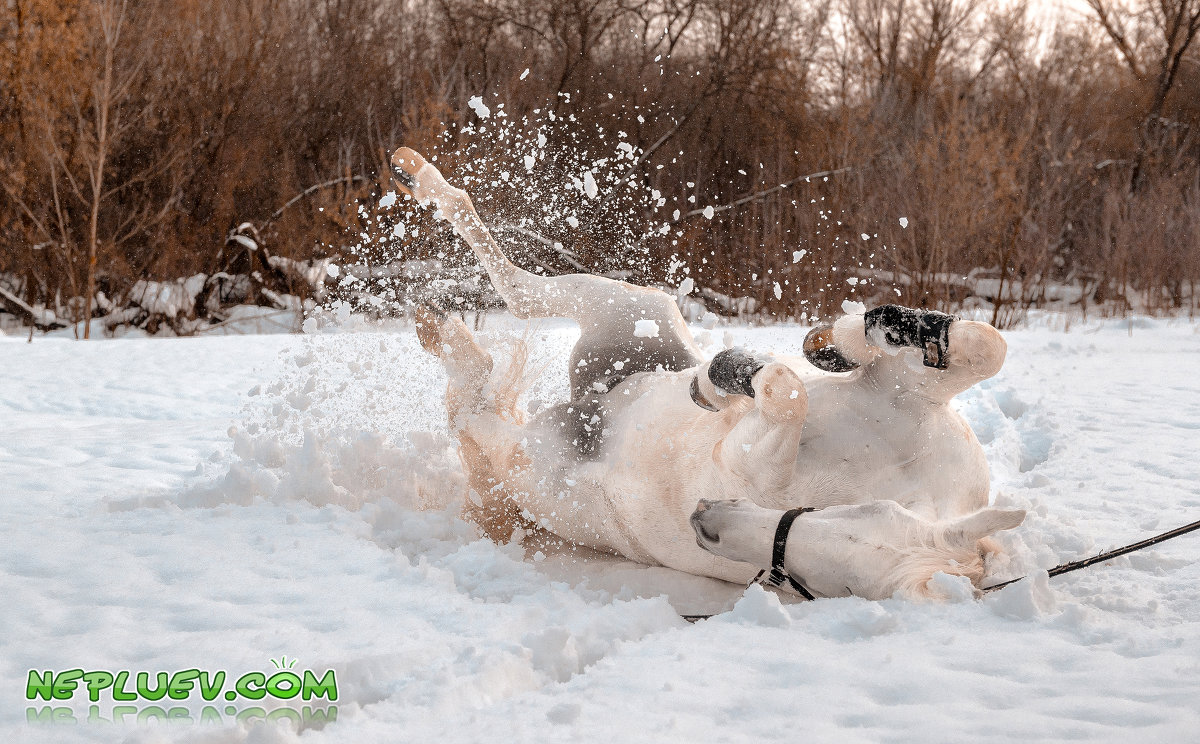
point(589, 185)
point(709, 212)
point(479, 107)
point(904, 222)
point(645, 328)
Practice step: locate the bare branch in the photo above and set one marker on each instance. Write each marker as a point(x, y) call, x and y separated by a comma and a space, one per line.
point(760, 194)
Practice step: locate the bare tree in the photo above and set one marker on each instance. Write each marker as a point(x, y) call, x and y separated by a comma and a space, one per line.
point(1152, 37)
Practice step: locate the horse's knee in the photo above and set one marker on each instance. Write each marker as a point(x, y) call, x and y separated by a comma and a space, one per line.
point(780, 394)
point(976, 348)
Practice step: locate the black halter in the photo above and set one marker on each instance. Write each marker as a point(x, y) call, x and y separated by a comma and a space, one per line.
point(778, 575)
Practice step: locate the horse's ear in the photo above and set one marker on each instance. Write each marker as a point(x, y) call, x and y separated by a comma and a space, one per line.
point(966, 530)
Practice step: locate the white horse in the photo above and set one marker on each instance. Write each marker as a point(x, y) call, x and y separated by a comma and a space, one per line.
point(651, 428)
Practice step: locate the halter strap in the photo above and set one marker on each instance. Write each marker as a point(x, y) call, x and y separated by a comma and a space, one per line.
point(778, 575)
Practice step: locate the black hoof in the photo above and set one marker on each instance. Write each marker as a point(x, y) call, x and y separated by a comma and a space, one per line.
point(822, 354)
point(698, 397)
point(731, 370)
point(405, 179)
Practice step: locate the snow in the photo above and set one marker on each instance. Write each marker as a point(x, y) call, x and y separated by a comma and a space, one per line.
point(645, 328)
point(219, 502)
point(167, 298)
point(479, 107)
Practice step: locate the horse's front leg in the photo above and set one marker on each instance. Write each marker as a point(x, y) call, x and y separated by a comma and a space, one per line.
point(955, 353)
point(768, 403)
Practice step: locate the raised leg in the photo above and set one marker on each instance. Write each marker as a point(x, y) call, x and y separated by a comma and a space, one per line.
point(624, 328)
point(955, 353)
point(769, 403)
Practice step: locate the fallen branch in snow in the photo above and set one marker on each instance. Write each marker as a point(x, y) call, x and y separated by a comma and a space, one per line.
point(19, 308)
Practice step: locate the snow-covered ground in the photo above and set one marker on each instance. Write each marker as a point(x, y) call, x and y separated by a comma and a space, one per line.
point(221, 502)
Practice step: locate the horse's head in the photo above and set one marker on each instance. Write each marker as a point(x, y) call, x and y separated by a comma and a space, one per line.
point(868, 550)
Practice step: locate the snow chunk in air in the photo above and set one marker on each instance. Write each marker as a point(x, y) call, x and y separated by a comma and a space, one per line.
point(853, 308)
point(479, 107)
point(645, 328)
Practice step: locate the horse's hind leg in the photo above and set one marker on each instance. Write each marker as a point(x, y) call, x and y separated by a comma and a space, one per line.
point(624, 328)
point(483, 417)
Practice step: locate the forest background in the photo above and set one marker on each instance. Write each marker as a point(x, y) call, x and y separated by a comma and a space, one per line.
point(966, 154)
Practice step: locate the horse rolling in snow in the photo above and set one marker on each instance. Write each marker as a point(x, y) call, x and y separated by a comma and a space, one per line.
point(652, 429)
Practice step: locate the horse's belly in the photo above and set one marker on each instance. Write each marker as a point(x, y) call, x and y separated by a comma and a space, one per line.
point(858, 449)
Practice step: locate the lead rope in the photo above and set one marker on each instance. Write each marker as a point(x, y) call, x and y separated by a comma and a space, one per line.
point(1063, 568)
point(785, 523)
